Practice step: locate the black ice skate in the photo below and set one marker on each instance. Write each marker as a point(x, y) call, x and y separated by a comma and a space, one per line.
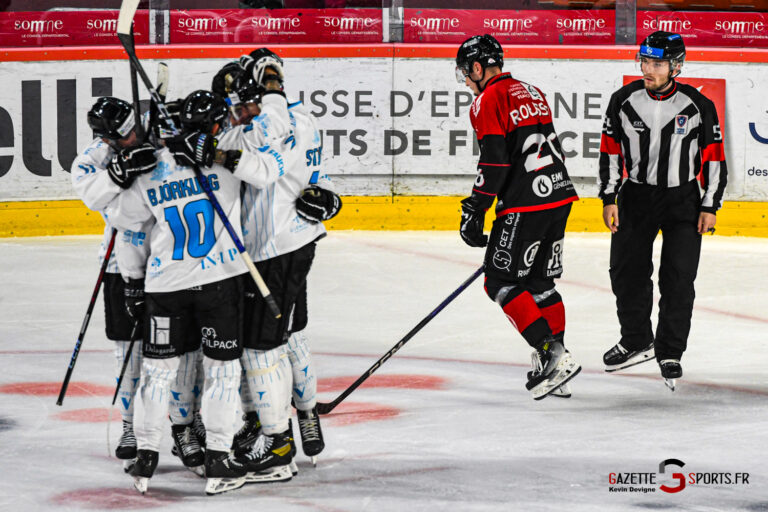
point(224, 473)
point(126, 446)
point(311, 434)
point(143, 469)
point(670, 371)
point(187, 448)
point(198, 427)
point(619, 357)
point(270, 458)
point(247, 435)
point(553, 366)
point(563, 391)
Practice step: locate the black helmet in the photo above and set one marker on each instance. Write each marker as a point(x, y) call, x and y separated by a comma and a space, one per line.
point(111, 118)
point(202, 111)
point(222, 82)
point(484, 49)
point(663, 46)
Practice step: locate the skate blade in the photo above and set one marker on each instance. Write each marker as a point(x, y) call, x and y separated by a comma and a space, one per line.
point(141, 483)
point(220, 485)
point(128, 465)
point(563, 391)
point(567, 369)
point(638, 359)
point(670, 383)
point(294, 468)
point(313, 459)
point(275, 474)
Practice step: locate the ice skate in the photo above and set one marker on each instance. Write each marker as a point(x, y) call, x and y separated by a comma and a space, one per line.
point(563, 391)
point(224, 473)
point(198, 427)
point(126, 446)
point(311, 434)
point(619, 357)
point(143, 469)
point(553, 366)
point(270, 459)
point(247, 435)
point(671, 371)
point(187, 448)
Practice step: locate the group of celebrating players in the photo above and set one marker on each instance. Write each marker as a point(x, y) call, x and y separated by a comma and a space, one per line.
point(210, 345)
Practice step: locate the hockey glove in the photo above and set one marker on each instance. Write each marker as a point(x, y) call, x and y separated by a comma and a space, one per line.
point(131, 162)
point(229, 159)
point(193, 149)
point(317, 204)
point(472, 220)
point(134, 298)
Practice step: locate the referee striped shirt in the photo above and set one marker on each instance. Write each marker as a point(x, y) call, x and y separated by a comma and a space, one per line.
point(665, 141)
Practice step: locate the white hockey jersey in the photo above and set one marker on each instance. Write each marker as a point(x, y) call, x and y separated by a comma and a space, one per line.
point(96, 189)
point(188, 243)
point(271, 223)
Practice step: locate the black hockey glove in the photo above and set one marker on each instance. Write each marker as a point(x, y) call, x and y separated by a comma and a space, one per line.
point(193, 149)
point(228, 159)
point(472, 220)
point(131, 162)
point(317, 204)
point(134, 298)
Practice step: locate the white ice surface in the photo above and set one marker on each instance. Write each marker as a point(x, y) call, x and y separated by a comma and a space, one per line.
point(476, 442)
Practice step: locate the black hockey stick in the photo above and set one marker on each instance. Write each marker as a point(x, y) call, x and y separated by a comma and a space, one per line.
point(87, 319)
point(325, 408)
point(126, 358)
point(124, 34)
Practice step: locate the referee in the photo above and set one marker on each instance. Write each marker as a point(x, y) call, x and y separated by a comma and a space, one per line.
point(664, 134)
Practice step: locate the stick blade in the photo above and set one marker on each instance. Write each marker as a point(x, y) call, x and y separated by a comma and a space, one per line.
point(162, 79)
point(324, 408)
point(125, 19)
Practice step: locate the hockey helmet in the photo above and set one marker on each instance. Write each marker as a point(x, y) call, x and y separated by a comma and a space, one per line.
point(203, 111)
point(663, 46)
point(111, 118)
point(484, 49)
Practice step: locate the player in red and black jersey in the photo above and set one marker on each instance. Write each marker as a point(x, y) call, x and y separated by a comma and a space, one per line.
point(522, 167)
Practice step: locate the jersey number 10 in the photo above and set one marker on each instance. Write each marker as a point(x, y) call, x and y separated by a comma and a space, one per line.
point(198, 218)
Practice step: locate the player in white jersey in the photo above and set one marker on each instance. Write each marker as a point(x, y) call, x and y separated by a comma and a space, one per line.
point(99, 174)
point(281, 239)
point(192, 274)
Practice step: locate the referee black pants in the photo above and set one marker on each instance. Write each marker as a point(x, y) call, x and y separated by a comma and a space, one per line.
point(644, 210)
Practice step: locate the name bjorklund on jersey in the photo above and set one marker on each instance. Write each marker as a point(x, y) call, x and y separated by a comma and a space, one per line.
point(179, 189)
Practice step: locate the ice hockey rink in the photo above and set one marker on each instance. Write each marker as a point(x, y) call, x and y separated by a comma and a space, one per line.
point(446, 424)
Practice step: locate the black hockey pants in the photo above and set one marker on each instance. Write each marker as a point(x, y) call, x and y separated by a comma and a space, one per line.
point(643, 211)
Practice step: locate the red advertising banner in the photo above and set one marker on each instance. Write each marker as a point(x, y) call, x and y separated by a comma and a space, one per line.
point(277, 26)
point(509, 26)
point(67, 28)
point(708, 28)
point(712, 88)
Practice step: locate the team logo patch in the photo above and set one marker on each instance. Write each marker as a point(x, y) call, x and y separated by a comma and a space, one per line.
point(542, 185)
point(681, 125)
point(502, 259)
point(530, 253)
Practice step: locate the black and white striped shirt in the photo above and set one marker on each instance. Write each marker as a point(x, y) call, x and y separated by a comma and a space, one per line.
point(664, 141)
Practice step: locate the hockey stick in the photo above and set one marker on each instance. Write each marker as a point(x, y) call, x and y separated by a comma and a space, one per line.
point(325, 408)
point(124, 27)
point(126, 358)
point(87, 318)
